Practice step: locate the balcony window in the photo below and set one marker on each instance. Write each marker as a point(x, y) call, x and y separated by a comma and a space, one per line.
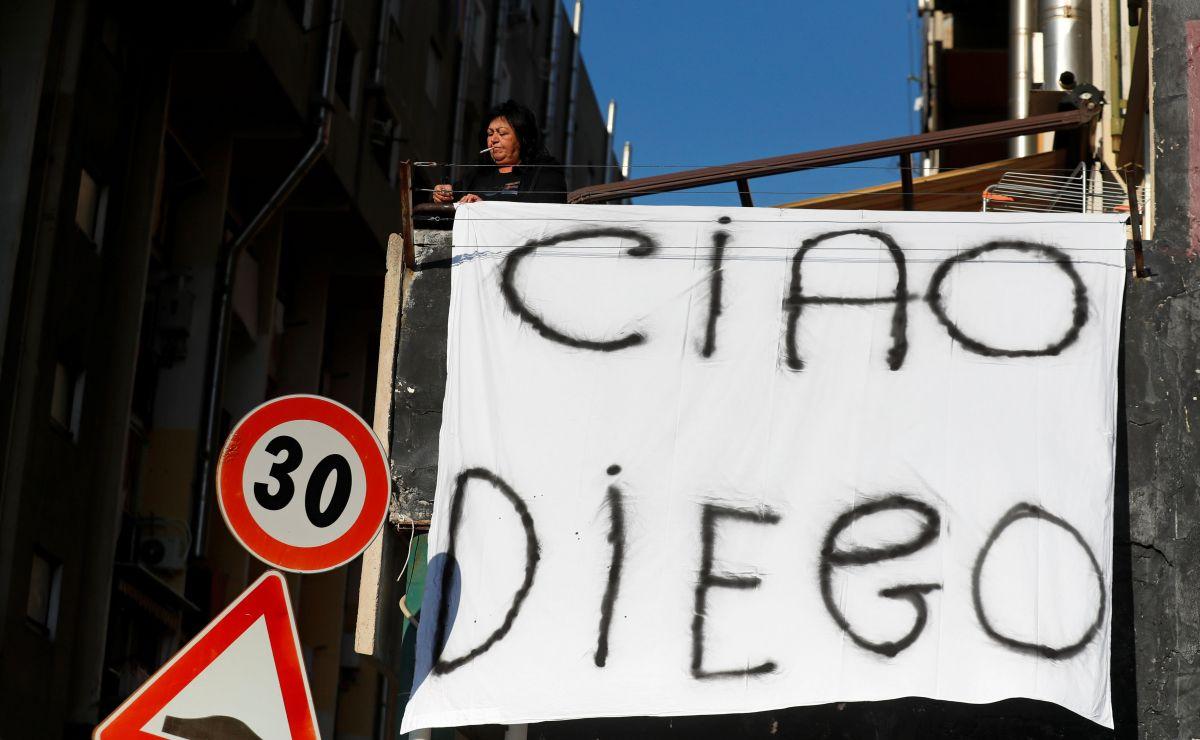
point(66, 400)
point(45, 581)
point(433, 74)
point(90, 208)
point(347, 82)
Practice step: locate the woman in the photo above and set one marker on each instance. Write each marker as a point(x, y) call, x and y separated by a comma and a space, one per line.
point(517, 168)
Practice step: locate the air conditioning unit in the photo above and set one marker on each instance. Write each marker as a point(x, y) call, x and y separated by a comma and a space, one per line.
point(175, 303)
point(163, 544)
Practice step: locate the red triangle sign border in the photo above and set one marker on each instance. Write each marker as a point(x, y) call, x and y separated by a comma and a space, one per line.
point(267, 597)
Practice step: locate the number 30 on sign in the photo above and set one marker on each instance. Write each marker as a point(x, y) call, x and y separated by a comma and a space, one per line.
point(303, 483)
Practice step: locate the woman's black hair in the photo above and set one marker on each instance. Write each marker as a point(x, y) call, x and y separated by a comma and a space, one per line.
point(524, 125)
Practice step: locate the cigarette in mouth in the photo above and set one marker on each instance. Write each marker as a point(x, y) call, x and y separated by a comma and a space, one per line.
point(485, 150)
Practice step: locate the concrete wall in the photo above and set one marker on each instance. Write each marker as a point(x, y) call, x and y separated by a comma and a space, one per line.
point(420, 384)
point(1162, 384)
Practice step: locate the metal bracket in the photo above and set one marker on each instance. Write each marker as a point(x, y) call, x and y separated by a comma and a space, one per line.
point(1135, 223)
point(906, 181)
point(744, 193)
point(1086, 96)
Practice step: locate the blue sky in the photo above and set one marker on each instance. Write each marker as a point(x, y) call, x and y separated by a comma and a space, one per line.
point(708, 82)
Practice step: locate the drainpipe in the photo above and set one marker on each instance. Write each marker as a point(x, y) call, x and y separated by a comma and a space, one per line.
point(551, 115)
point(460, 97)
point(1020, 31)
point(608, 142)
point(1067, 34)
point(227, 271)
point(381, 44)
point(569, 159)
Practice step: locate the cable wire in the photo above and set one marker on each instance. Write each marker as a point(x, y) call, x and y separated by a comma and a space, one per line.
point(1050, 197)
point(783, 222)
point(805, 168)
point(809, 258)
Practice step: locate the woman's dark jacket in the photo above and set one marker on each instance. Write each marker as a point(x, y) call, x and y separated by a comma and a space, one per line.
point(527, 183)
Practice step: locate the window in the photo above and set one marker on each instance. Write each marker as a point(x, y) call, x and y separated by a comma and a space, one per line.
point(347, 83)
point(90, 208)
point(433, 73)
point(385, 141)
point(131, 471)
point(45, 582)
point(66, 400)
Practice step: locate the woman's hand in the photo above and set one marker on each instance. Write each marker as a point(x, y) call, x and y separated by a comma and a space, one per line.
point(469, 198)
point(443, 193)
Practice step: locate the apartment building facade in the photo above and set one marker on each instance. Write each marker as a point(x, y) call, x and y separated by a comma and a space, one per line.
point(197, 200)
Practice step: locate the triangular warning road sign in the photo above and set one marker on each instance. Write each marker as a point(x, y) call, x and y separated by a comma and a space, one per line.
point(241, 677)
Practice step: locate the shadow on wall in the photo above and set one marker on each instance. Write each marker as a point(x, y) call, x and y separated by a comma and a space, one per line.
point(428, 626)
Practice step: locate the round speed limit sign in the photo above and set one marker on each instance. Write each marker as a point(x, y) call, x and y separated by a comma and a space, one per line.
point(303, 483)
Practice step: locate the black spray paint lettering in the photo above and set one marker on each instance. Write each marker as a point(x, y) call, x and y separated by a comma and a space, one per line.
point(710, 516)
point(831, 557)
point(646, 245)
point(1056, 257)
point(616, 537)
point(715, 282)
point(1014, 515)
point(796, 299)
point(532, 555)
point(834, 557)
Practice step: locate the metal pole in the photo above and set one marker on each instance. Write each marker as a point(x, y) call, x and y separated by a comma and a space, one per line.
point(626, 158)
point(1020, 31)
point(744, 193)
point(608, 142)
point(906, 181)
point(1135, 223)
point(550, 119)
point(570, 154)
point(406, 213)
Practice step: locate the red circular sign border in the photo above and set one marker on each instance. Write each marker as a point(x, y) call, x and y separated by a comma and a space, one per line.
point(232, 499)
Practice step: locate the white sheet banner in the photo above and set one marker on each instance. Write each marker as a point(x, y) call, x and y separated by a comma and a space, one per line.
point(719, 460)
